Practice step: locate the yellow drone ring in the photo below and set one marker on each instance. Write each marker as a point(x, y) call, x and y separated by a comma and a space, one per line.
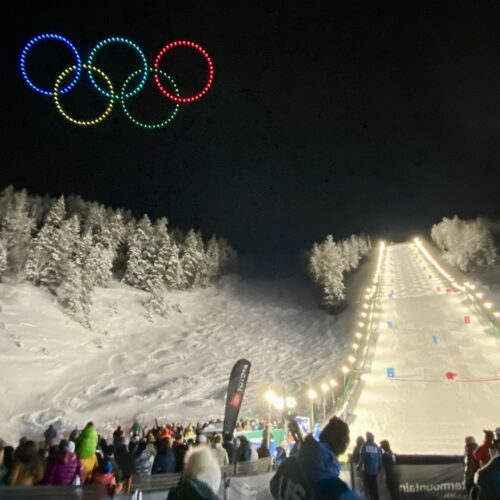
point(83, 123)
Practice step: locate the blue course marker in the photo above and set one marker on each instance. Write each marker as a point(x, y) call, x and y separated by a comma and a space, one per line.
point(389, 324)
point(390, 373)
point(434, 339)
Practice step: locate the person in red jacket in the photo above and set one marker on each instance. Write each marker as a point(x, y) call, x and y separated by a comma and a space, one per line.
point(482, 453)
point(105, 477)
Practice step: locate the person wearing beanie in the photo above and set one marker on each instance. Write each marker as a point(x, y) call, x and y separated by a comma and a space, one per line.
point(67, 468)
point(471, 463)
point(201, 477)
point(219, 452)
point(388, 462)
point(314, 472)
point(482, 453)
point(201, 439)
point(371, 461)
point(105, 477)
point(27, 468)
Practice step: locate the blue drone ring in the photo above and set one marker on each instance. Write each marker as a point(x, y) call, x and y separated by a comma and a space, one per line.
point(50, 36)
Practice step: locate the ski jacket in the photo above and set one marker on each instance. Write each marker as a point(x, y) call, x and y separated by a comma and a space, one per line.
point(86, 442)
point(144, 464)
point(371, 458)
point(65, 469)
point(482, 453)
point(164, 462)
point(313, 474)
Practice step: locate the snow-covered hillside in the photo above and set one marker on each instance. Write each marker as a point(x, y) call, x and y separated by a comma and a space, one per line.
point(52, 369)
point(421, 410)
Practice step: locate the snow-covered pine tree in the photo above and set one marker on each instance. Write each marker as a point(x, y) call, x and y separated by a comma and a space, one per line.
point(43, 265)
point(17, 226)
point(193, 260)
point(74, 295)
point(174, 276)
point(140, 255)
point(3, 259)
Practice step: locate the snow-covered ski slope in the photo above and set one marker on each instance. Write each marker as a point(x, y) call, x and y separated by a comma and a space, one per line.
point(175, 368)
point(421, 410)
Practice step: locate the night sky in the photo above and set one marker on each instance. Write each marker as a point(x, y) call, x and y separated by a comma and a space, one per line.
point(328, 117)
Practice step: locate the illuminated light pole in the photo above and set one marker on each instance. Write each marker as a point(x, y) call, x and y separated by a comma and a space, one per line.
point(333, 384)
point(270, 398)
point(325, 388)
point(312, 394)
point(345, 371)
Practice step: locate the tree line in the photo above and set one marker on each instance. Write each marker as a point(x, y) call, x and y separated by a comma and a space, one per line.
point(69, 246)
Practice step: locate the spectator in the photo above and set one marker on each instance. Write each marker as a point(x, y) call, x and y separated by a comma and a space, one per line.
point(105, 477)
point(143, 460)
point(263, 451)
point(4, 472)
point(67, 468)
point(497, 432)
point(388, 462)
point(488, 477)
point(27, 469)
point(117, 437)
point(50, 435)
point(219, 452)
point(244, 450)
point(228, 445)
point(314, 473)
point(371, 460)
point(180, 450)
point(86, 444)
point(201, 477)
point(8, 461)
point(482, 453)
point(125, 460)
point(281, 451)
point(471, 463)
point(164, 461)
point(356, 452)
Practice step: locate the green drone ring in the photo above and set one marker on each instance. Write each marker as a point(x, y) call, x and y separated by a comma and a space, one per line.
point(148, 126)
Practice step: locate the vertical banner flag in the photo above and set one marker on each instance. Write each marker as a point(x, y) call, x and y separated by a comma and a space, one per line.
point(448, 291)
point(389, 324)
point(390, 372)
point(235, 391)
point(434, 339)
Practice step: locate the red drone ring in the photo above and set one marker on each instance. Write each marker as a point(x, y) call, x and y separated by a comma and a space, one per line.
point(203, 52)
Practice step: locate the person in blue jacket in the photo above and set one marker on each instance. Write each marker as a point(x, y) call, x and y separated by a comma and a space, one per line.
point(371, 462)
point(314, 472)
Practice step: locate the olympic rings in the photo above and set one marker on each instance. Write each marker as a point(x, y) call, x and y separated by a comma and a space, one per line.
point(122, 95)
point(49, 36)
point(117, 39)
point(146, 125)
point(203, 52)
point(84, 123)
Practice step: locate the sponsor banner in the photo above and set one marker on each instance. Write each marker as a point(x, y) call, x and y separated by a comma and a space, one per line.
point(235, 392)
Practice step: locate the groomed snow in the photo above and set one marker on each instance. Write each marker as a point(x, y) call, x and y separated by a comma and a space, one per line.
point(176, 369)
point(423, 411)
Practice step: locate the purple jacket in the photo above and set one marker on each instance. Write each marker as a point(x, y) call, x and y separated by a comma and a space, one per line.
point(65, 469)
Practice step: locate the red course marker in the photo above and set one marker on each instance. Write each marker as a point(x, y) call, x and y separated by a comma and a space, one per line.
point(467, 320)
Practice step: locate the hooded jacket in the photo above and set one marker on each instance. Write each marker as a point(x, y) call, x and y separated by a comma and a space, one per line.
point(371, 457)
point(313, 474)
point(86, 442)
point(66, 467)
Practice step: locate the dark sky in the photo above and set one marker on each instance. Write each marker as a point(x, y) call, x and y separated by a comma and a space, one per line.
point(338, 116)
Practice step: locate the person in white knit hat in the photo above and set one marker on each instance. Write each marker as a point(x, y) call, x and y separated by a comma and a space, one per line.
point(201, 477)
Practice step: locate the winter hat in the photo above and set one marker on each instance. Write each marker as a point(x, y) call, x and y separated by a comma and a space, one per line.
point(70, 446)
point(489, 435)
point(201, 439)
point(497, 430)
point(469, 440)
point(107, 467)
point(336, 435)
point(200, 464)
